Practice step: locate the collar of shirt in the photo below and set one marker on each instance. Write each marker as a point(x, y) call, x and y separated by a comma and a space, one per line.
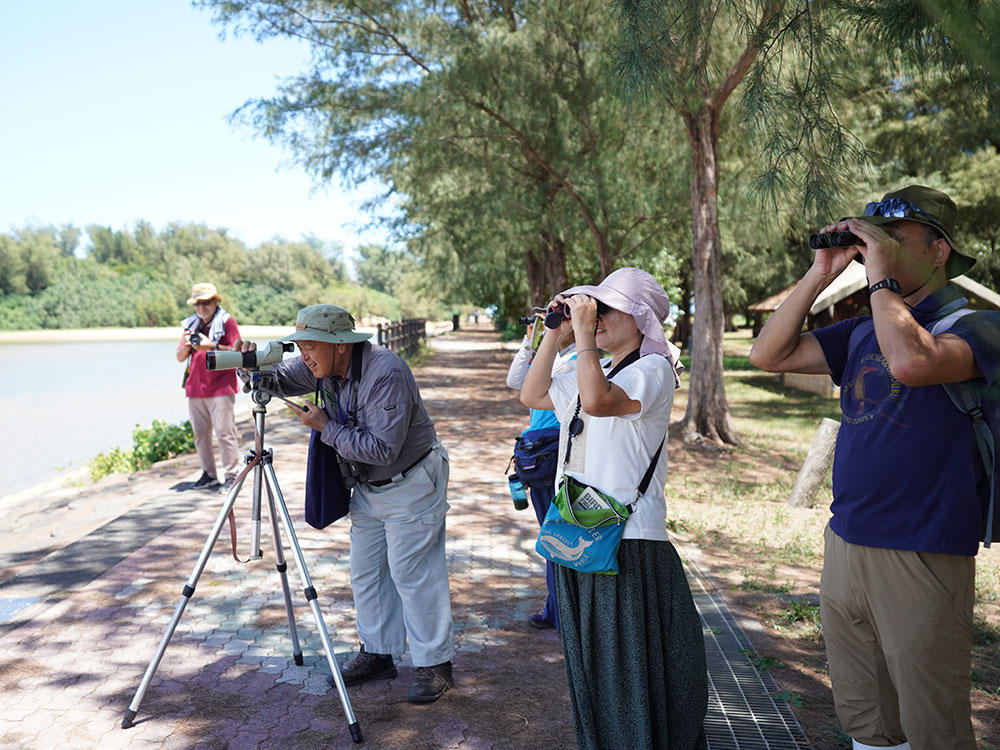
point(928, 308)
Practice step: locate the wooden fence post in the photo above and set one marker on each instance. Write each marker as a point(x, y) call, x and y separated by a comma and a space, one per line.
point(816, 466)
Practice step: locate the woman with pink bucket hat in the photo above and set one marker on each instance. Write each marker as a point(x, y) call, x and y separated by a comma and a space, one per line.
point(635, 654)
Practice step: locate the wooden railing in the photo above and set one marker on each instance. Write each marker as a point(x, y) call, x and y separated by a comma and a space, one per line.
point(403, 336)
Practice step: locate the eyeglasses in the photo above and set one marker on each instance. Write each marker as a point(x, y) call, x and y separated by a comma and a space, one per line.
point(602, 309)
point(203, 302)
point(897, 208)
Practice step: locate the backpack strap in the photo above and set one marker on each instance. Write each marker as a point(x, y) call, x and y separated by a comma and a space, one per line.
point(968, 401)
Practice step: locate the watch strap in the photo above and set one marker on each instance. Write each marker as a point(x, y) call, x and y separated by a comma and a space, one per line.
point(891, 284)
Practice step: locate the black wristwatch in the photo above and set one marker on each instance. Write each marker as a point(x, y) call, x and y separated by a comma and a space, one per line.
point(891, 284)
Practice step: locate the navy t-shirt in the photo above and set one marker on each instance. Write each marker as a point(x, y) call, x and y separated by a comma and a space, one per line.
point(906, 471)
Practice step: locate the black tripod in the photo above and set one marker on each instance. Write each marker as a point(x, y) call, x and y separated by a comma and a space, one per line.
point(259, 460)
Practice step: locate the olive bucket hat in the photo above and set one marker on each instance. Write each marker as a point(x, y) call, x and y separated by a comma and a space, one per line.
point(926, 206)
point(327, 323)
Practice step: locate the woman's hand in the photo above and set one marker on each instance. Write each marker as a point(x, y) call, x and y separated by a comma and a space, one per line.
point(583, 315)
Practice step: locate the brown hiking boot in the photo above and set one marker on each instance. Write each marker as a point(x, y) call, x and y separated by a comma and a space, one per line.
point(431, 684)
point(367, 666)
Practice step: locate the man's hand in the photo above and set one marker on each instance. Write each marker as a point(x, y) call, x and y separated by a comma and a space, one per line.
point(880, 251)
point(311, 415)
point(830, 262)
point(244, 346)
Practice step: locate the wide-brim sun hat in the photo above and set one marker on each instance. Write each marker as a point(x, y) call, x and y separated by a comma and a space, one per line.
point(933, 208)
point(327, 323)
point(636, 293)
point(203, 291)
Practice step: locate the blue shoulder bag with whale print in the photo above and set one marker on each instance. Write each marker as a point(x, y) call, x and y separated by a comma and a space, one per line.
point(584, 526)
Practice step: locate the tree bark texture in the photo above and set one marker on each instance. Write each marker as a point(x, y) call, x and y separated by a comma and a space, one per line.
point(546, 267)
point(707, 417)
point(816, 467)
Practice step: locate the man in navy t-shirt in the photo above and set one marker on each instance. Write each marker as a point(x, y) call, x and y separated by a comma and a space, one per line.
point(908, 484)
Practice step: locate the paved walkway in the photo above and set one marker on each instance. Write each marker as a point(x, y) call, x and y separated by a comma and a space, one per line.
point(91, 579)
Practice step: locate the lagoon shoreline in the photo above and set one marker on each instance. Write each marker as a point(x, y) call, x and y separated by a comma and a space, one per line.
point(167, 333)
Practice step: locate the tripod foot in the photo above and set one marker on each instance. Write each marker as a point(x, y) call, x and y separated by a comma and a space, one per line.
point(130, 715)
point(355, 732)
point(298, 660)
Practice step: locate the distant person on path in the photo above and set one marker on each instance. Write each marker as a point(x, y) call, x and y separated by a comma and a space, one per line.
point(371, 413)
point(635, 654)
point(541, 439)
point(211, 394)
point(909, 489)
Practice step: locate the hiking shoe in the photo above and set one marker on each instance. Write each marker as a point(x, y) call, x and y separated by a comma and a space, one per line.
point(366, 666)
point(226, 486)
point(431, 684)
point(205, 482)
point(540, 621)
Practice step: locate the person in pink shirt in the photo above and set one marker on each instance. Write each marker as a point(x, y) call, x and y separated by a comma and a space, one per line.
point(211, 394)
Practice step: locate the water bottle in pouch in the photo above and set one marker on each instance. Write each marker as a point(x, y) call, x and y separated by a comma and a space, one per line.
point(517, 492)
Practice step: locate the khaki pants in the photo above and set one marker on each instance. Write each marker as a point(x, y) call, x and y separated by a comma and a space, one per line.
point(215, 413)
point(898, 631)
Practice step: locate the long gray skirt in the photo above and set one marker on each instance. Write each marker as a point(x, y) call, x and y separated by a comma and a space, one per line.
point(635, 653)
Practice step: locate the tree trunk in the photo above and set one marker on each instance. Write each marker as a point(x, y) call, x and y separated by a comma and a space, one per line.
point(555, 263)
point(536, 278)
point(707, 418)
point(682, 332)
point(816, 467)
point(546, 267)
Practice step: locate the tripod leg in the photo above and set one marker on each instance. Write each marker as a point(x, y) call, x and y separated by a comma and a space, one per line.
point(310, 594)
point(282, 567)
point(186, 595)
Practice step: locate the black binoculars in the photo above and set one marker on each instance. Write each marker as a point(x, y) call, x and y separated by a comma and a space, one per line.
point(834, 239)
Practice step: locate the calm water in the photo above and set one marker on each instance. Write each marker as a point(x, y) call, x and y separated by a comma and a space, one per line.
point(61, 404)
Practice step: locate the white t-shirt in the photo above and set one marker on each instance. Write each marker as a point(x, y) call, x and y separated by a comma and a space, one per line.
point(613, 453)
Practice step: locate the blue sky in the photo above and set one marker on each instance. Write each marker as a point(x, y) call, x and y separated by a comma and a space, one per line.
point(117, 110)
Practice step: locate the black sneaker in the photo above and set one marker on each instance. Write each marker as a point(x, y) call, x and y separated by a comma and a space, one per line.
point(205, 482)
point(366, 666)
point(431, 684)
point(226, 486)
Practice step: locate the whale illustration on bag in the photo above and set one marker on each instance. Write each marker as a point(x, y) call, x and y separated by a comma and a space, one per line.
point(558, 548)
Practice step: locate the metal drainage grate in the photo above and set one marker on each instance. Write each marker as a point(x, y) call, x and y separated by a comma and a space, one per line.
point(742, 712)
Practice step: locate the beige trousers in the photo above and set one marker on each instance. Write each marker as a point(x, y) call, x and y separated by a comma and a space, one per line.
point(898, 631)
point(215, 413)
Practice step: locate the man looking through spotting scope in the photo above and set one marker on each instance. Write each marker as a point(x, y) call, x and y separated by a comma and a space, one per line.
point(370, 412)
point(909, 487)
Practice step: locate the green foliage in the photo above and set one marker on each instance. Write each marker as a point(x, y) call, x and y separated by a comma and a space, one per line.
point(158, 442)
point(140, 277)
point(115, 461)
point(260, 304)
point(789, 697)
point(383, 269)
point(513, 167)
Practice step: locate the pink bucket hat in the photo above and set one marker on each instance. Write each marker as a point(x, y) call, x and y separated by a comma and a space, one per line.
point(637, 293)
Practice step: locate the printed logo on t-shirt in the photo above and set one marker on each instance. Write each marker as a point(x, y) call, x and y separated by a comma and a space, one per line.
point(872, 389)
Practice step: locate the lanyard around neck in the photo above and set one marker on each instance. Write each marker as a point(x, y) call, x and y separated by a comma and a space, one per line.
point(576, 424)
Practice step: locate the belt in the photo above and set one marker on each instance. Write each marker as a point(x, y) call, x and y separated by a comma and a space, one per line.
point(403, 473)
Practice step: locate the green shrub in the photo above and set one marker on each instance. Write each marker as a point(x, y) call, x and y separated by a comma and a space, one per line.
point(160, 442)
point(114, 461)
point(156, 443)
